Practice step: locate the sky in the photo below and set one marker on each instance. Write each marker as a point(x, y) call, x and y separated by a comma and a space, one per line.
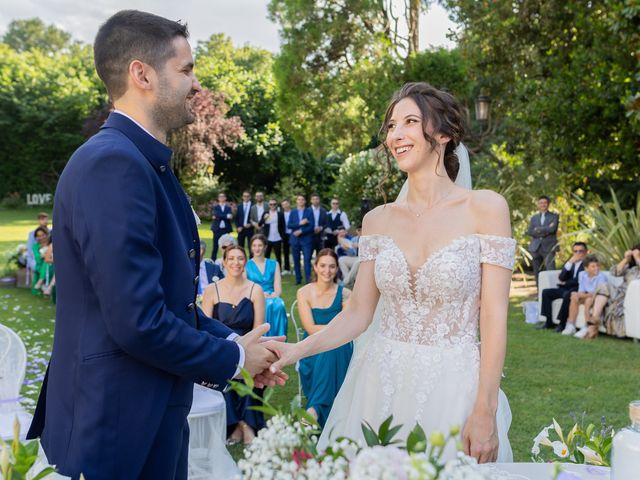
point(245, 21)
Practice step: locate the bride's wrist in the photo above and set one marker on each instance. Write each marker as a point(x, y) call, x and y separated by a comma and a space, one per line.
point(485, 406)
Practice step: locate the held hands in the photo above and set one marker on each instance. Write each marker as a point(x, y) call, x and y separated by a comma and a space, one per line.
point(259, 355)
point(480, 436)
point(288, 354)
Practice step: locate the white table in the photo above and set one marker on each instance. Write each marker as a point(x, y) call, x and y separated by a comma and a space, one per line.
point(544, 471)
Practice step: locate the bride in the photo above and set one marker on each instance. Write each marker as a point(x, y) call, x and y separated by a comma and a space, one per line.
point(439, 260)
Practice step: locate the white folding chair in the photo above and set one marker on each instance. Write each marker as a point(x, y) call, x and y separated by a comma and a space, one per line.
point(13, 363)
point(299, 335)
point(208, 454)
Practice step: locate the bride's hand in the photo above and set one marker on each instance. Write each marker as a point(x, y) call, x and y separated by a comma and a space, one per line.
point(480, 437)
point(287, 353)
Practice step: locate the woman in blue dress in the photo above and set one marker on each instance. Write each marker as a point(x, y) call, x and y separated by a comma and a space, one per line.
point(266, 273)
point(318, 302)
point(239, 304)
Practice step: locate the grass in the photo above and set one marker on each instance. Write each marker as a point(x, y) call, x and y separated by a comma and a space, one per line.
point(546, 375)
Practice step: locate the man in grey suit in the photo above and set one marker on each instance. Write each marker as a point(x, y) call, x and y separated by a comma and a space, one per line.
point(543, 228)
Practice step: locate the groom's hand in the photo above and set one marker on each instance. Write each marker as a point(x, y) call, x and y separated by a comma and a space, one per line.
point(257, 357)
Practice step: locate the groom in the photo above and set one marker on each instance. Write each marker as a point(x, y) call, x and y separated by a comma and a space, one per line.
point(129, 340)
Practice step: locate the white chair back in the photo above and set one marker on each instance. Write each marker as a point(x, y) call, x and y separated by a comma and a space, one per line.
point(299, 336)
point(13, 363)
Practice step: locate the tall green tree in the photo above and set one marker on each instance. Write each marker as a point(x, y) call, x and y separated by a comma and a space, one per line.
point(25, 35)
point(266, 154)
point(44, 98)
point(561, 76)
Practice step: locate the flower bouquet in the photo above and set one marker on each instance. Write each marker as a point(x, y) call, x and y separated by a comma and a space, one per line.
point(586, 445)
point(286, 449)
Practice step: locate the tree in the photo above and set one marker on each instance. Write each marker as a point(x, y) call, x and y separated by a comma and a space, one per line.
point(562, 76)
point(44, 98)
point(196, 145)
point(25, 35)
point(266, 153)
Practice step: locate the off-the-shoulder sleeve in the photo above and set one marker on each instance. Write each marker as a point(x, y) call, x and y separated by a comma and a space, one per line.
point(368, 247)
point(500, 251)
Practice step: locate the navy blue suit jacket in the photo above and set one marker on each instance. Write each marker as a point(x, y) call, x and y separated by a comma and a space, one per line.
point(307, 229)
point(240, 215)
point(129, 342)
point(220, 214)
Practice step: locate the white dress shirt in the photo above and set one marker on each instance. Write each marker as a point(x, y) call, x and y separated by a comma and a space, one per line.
point(343, 218)
point(286, 221)
point(274, 235)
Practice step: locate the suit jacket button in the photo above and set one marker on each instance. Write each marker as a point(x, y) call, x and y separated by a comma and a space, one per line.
point(195, 280)
point(163, 168)
point(191, 307)
point(192, 253)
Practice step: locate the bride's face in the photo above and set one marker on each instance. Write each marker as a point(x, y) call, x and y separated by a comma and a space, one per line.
point(405, 136)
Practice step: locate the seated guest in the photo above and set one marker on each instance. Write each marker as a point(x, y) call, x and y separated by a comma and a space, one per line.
point(266, 273)
point(318, 302)
point(43, 222)
point(629, 268)
point(567, 283)
point(227, 240)
point(49, 285)
point(41, 269)
point(274, 228)
point(239, 304)
point(210, 271)
point(348, 246)
point(588, 282)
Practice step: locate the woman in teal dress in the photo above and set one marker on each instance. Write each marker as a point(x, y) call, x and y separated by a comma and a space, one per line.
point(266, 273)
point(318, 302)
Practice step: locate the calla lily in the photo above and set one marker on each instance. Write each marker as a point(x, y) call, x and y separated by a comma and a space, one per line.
point(560, 449)
point(590, 456)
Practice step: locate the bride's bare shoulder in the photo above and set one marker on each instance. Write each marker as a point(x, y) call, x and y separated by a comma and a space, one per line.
point(375, 220)
point(491, 211)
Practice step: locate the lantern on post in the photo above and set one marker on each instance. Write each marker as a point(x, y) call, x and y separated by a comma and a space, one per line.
point(483, 103)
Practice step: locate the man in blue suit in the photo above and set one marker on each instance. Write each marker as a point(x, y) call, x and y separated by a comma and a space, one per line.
point(320, 222)
point(243, 220)
point(129, 340)
point(221, 217)
point(301, 224)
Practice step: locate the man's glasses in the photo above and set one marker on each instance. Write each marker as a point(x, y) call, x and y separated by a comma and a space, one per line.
point(272, 204)
point(579, 250)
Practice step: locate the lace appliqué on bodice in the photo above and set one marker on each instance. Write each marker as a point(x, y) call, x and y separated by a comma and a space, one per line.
point(440, 305)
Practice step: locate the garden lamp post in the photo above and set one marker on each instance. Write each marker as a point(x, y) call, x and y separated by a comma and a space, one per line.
point(483, 103)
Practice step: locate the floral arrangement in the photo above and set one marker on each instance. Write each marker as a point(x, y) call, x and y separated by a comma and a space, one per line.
point(581, 444)
point(286, 449)
point(15, 259)
point(17, 459)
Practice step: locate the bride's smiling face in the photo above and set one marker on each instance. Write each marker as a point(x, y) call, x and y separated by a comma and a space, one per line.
point(405, 136)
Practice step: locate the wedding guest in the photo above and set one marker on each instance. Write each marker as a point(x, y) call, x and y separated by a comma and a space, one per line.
point(256, 213)
point(322, 375)
point(226, 241)
point(49, 285)
point(588, 282)
point(629, 269)
point(543, 228)
point(319, 223)
point(41, 269)
point(301, 224)
point(567, 283)
point(349, 260)
point(239, 304)
point(243, 221)
point(221, 218)
point(336, 219)
point(273, 226)
point(210, 271)
point(286, 248)
point(43, 221)
point(266, 273)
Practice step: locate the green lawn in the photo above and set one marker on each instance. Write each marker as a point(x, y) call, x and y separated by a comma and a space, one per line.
point(546, 375)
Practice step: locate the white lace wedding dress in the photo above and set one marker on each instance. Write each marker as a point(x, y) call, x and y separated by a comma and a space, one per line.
point(421, 363)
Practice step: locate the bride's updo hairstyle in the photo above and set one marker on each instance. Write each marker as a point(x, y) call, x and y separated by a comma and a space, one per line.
point(441, 111)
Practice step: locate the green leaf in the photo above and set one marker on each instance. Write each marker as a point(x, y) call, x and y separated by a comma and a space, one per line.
point(384, 427)
point(370, 435)
point(246, 376)
point(268, 393)
point(387, 439)
point(264, 409)
point(44, 473)
point(417, 440)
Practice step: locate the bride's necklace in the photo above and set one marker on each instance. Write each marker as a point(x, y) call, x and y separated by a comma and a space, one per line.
point(418, 214)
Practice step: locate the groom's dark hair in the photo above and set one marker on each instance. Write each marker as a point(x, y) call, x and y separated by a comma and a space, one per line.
point(133, 35)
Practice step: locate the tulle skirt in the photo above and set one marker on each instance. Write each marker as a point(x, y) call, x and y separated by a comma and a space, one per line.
point(433, 386)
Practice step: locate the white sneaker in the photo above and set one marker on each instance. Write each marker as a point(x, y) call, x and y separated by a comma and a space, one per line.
point(581, 333)
point(570, 329)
